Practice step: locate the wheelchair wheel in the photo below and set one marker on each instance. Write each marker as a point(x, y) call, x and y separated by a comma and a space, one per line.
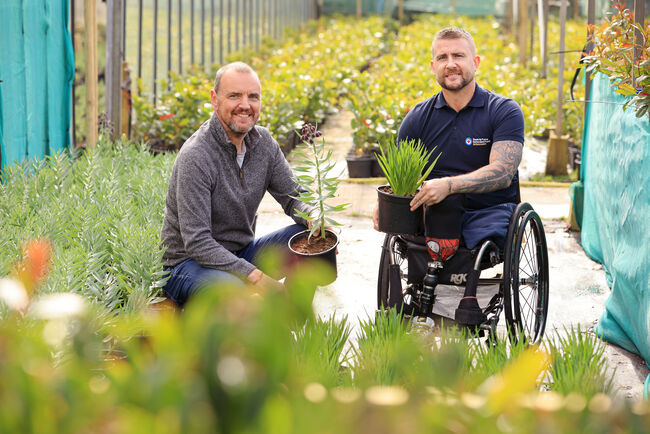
point(525, 276)
point(395, 247)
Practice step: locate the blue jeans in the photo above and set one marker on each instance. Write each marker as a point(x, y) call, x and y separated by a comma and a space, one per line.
point(189, 276)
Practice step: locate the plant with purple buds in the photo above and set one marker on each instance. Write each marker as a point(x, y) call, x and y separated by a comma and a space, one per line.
point(317, 186)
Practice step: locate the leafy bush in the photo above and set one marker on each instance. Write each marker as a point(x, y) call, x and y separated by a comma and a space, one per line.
point(182, 108)
point(613, 55)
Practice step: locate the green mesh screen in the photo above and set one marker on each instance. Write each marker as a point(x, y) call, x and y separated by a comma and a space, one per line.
point(615, 224)
point(36, 73)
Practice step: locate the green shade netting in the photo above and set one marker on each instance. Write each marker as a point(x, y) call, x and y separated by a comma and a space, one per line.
point(615, 224)
point(36, 70)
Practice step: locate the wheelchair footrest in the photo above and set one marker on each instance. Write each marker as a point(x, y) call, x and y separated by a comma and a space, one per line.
point(469, 312)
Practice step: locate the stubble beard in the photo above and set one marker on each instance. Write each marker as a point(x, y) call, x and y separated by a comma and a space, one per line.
point(464, 82)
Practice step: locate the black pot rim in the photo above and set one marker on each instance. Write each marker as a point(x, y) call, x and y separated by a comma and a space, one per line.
point(306, 232)
point(389, 194)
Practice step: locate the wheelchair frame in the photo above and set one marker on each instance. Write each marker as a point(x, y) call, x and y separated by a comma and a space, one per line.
point(523, 286)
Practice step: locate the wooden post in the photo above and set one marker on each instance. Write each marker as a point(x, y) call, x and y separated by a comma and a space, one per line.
point(557, 157)
point(453, 7)
point(90, 20)
point(542, 17)
point(359, 9)
point(508, 16)
point(114, 64)
point(400, 11)
point(126, 101)
point(560, 77)
point(522, 31)
point(591, 19)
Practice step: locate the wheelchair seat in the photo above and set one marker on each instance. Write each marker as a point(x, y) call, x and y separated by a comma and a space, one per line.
point(522, 285)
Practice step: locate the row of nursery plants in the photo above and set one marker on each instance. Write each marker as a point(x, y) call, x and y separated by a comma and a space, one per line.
point(380, 97)
point(102, 211)
point(302, 79)
point(237, 362)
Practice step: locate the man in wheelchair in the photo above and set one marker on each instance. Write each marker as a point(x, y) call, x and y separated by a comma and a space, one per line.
point(474, 187)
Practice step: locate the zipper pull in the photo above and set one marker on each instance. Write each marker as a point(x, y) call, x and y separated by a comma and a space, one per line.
point(241, 173)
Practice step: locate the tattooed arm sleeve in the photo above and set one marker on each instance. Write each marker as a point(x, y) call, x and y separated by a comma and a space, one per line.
point(505, 157)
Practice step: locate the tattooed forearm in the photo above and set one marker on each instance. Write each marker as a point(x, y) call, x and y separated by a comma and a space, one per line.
point(504, 160)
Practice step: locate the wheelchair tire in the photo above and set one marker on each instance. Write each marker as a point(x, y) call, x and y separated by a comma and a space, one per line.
point(525, 276)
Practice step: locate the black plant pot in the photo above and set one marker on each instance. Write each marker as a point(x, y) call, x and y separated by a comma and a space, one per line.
point(327, 257)
point(359, 166)
point(377, 171)
point(395, 215)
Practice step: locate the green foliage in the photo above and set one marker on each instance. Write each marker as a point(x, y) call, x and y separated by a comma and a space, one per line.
point(321, 351)
point(579, 363)
point(231, 363)
point(380, 97)
point(181, 109)
point(317, 187)
point(302, 78)
point(613, 55)
point(102, 211)
point(405, 165)
point(386, 351)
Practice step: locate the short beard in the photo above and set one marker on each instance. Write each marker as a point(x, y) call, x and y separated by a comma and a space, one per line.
point(235, 129)
point(462, 85)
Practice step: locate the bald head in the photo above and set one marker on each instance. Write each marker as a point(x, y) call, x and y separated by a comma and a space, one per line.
point(234, 66)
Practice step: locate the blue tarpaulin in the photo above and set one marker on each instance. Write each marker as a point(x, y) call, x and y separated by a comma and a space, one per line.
point(615, 230)
point(36, 73)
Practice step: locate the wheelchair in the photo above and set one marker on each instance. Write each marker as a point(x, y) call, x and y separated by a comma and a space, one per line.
point(523, 280)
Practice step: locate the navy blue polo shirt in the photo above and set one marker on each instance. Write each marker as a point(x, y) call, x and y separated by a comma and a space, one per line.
point(465, 138)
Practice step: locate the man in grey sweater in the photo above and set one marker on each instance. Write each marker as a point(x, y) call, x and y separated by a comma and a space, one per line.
point(217, 183)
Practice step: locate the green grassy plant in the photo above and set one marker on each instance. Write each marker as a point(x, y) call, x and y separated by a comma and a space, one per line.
point(405, 165)
point(321, 350)
point(579, 363)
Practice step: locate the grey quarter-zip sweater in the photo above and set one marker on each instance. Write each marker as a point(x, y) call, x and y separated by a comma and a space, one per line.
point(212, 203)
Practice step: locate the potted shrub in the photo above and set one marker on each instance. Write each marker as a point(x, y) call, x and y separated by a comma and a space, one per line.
point(318, 242)
point(405, 166)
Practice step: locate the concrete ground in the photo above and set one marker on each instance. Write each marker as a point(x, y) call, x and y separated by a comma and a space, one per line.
point(578, 289)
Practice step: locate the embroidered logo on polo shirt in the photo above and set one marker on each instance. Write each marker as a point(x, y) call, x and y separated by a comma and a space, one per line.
point(477, 141)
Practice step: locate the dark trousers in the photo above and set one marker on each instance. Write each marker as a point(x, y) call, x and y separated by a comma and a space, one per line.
point(189, 276)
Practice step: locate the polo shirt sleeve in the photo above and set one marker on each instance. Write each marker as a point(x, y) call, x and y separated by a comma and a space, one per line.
point(508, 122)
